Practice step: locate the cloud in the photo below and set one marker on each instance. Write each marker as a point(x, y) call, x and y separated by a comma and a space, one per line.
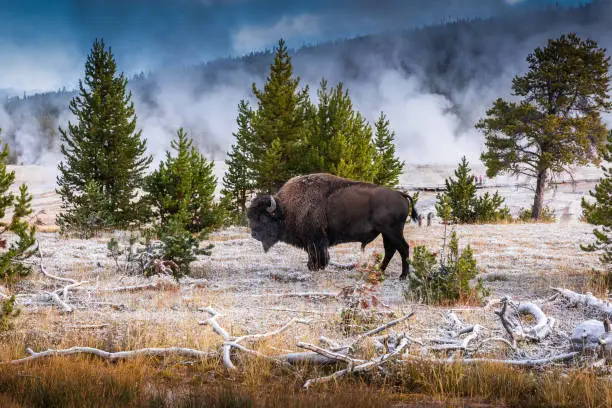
point(38, 67)
point(256, 37)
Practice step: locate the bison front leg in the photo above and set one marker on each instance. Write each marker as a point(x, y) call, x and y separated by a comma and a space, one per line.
point(318, 256)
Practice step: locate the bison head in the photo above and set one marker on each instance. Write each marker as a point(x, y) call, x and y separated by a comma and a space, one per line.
point(265, 216)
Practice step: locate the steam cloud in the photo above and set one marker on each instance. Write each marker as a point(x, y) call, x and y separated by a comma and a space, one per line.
point(432, 115)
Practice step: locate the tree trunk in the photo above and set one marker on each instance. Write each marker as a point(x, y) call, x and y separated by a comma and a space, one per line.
point(536, 210)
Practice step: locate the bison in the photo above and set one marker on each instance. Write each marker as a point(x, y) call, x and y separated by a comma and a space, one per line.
point(316, 211)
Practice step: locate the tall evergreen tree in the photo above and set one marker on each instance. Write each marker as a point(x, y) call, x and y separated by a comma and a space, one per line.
point(278, 124)
point(102, 149)
point(238, 180)
point(599, 212)
point(558, 122)
point(387, 166)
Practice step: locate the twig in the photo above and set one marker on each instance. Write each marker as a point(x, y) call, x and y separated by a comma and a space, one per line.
point(385, 326)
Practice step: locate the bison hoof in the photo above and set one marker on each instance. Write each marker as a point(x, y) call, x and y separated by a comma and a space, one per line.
point(403, 276)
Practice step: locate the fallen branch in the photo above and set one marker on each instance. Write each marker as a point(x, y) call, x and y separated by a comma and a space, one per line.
point(509, 315)
point(313, 295)
point(362, 367)
point(377, 330)
point(345, 266)
point(134, 288)
point(520, 363)
point(120, 355)
point(65, 307)
point(587, 300)
point(330, 354)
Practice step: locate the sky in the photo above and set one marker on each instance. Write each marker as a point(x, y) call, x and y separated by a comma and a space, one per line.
point(43, 44)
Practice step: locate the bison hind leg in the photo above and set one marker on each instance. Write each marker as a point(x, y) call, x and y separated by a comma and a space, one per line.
point(318, 256)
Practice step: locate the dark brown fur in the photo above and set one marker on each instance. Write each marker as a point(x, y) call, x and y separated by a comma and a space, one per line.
point(316, 211)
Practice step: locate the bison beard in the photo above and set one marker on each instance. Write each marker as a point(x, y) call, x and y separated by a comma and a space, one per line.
point(316, 211)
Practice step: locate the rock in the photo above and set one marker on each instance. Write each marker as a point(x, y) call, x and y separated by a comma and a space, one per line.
point(586, 336)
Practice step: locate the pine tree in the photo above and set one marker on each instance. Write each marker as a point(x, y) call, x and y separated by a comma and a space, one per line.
point(387, 166)
point(182, 188)
point(278, 125)
point(460, 194)
point(459, 203)
point(103, 147)
point(238, 180)
point(13, 255)
point(558, 122)
point(600, 211)
point(338, 138)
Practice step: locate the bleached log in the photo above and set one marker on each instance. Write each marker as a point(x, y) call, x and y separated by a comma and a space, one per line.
point(65, 307)
point(463, 345)
point(120, 355)
point(587, 300)
point(306, 358)
point(345, 266)
point(312, 295)
point(519, 363)
point(87, 326)
point(330, 354)
point(258, 337)
point(280, 309)
point(511, 321)
point(227, 348)
point(360, 368)
point(65, 289)
point(134, 288)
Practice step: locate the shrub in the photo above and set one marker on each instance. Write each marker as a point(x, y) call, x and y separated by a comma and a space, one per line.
point(547, 215)
point(447, 280)
point(7, 313)
point(171, 253)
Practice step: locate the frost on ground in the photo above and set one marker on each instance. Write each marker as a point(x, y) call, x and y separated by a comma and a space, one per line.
point(246, 285)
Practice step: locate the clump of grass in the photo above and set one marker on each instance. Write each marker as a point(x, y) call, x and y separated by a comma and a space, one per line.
point(496, 277)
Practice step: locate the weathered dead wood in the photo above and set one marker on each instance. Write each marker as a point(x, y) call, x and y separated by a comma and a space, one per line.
point(120, 355)
point(64, 307)
point(361, 367)
point(230, 342)
point(538, 362)
point(587, 300)
point(377, 330)
point(509, 315)
point(160, 284)
point(330, 354)
point(458, 345)
point(345, 266)
point(311, 295)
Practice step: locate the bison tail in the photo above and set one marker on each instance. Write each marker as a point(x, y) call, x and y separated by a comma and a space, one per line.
point(413, 212)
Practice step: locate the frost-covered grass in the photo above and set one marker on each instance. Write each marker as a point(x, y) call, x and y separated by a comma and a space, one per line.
point(520, 260)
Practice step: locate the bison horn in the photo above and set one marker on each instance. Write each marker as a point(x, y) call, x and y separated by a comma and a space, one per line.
point(272, 206)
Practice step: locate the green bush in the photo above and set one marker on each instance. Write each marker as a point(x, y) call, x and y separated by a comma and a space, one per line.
point(447, 281)
point(547, 215)
point(171, 253)
point(7, 313)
